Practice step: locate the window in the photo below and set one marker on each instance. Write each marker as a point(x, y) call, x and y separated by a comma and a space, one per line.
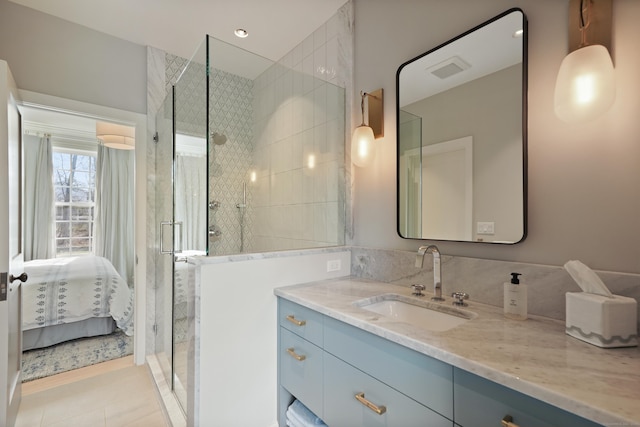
point(74, 185)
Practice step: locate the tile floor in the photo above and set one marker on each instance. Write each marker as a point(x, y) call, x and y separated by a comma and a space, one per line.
point(111, 394)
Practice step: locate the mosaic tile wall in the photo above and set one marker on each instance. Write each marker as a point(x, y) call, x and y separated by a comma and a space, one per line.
point(231, 114)
point(230, 103)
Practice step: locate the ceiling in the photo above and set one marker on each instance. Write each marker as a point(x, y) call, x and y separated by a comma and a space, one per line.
point(486, 50)
point(179, 26)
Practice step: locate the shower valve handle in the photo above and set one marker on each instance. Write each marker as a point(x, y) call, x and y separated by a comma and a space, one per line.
point(215, 232)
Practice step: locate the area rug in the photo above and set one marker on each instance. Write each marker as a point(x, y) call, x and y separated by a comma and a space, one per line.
point(74, 354)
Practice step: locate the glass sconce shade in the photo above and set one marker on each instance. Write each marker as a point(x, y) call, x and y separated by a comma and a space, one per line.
point(585, 87)
point(363, 149)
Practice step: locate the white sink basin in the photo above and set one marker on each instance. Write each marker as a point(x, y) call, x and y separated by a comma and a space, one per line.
point(421, 313)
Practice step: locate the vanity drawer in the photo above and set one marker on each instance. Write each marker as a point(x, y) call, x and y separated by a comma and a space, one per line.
point(420, 377)
point(342, 382)
point(300, 320)
point(301, 370)
point(480, 402)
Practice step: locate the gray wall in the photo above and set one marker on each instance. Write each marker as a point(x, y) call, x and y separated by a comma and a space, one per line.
point(584, 180)
point(55, 57)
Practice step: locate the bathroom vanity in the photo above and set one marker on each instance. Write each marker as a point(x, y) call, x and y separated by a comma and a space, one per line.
point(353, 367)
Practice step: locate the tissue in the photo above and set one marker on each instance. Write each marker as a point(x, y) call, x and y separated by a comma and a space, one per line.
point(596, 315)
point(587, 279)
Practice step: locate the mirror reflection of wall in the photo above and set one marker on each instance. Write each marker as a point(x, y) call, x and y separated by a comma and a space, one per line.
point(484, 199)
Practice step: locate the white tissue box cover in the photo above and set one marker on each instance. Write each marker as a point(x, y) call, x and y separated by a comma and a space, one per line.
point(602, 321)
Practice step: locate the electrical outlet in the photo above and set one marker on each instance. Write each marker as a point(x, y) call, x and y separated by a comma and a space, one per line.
point(485, 228)
point(334, 265)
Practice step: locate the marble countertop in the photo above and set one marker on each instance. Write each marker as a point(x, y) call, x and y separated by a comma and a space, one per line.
point(202, 259)
point(534, 357)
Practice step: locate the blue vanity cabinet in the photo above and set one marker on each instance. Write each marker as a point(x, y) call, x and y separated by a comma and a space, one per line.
point(302, 321)
point(300, 357)
point(325, 363)
point(301, 369)
point(480, 402)
point(424, 379)
point(376, 403)
point(346, 375)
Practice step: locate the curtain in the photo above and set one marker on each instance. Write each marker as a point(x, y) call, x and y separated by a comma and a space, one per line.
point(190, 194)
point(38, 198)
point(114, 220)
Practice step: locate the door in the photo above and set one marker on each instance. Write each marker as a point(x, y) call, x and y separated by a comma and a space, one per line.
point(447, 190)
point(11, 258)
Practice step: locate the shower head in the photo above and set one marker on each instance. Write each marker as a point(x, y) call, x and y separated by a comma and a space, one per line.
point(218, 138)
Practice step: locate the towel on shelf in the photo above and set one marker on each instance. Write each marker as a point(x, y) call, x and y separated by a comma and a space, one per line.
point(295, 421)
point(301, 416)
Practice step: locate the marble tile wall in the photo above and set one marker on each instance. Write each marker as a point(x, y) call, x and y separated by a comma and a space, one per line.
point(299, 194)
point(483, 279)
point(156, 95)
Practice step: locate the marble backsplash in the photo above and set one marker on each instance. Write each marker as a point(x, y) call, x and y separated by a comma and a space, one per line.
point(483, 279)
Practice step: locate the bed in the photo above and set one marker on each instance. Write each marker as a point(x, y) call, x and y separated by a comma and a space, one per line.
point(75, 297)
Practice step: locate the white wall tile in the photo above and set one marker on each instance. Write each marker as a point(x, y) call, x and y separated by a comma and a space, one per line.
point(320, 63)
point(307, 47)
point(320, 105)
point(296, 186)
point(320, 36)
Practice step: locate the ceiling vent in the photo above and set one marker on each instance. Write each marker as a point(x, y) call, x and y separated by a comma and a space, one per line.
point(448, 67)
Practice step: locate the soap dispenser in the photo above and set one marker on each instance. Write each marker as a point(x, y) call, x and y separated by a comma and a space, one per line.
point(515, 298)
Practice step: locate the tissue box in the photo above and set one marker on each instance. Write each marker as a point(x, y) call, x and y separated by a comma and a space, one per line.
point(602, 321)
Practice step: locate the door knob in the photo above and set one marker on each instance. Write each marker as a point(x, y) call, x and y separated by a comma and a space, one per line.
point(23, 277)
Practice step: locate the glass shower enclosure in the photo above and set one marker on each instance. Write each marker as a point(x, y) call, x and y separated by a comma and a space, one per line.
point(249, 158)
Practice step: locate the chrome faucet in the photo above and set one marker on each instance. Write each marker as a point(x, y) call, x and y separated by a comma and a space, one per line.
point(437, 280)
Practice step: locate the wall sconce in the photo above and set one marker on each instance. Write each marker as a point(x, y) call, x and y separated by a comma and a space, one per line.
point(116, 136)
point(363, 149)
point(585, 87)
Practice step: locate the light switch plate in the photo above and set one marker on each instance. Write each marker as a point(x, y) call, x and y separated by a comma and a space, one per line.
point(334, 265)
point(485, 228)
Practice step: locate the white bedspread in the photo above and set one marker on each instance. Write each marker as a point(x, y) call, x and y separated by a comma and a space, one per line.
point(65, 290)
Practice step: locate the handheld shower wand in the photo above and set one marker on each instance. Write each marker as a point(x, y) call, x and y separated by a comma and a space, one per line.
point(242, 207)
point(244, 197)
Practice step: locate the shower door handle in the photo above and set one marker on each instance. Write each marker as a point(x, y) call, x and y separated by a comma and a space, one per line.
point(171, 251)
point(162, 226)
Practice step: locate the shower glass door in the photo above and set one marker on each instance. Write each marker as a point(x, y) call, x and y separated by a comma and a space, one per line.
point(189, 208)
point(163, 254)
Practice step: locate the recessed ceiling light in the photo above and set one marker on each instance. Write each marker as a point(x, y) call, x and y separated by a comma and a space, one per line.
point(241, 33)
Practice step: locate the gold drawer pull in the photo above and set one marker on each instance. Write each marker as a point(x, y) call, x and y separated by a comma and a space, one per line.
point(507, 421)
point(295, 321)
point(377, 409)
point(298, 357)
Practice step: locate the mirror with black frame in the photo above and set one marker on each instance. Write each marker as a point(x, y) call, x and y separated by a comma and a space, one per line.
point(462, 131)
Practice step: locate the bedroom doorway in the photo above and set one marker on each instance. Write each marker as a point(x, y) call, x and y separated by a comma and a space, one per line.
point(68, 245)
point(11, 248)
